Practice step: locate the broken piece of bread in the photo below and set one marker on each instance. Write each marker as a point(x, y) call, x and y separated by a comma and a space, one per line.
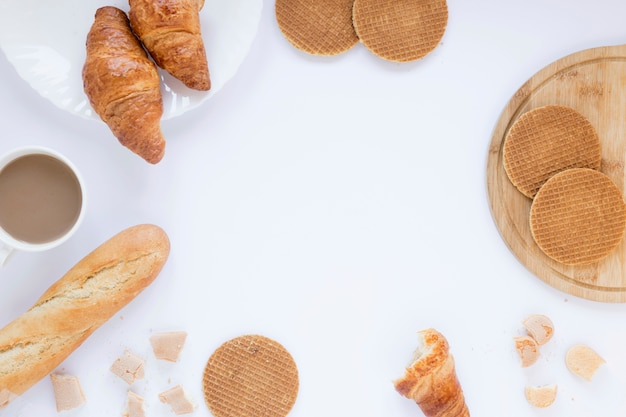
point(539, 327)
point(541, 396)
point(129, 367)
point(583, 361)
point(134, 405)
point(168, 345)
point(178, 400)
point(430, 379)
point(67, 391)
point(527, 349)
point(6, 397)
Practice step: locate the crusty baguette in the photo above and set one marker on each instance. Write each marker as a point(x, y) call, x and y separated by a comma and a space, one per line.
point(89, 294)
point(170, 31)
point(430, 379)
point(123, 84)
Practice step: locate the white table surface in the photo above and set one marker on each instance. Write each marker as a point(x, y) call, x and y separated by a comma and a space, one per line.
point(336, 205)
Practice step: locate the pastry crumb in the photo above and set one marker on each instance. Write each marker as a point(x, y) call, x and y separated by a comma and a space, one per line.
point(168, 345)
point(134, 405)
point(541, 396)
point(539, 327)
point(583, 361)
point(6, 397)
point(67, 391)
point(178, 400)
point(129, 367)
point(527, 349)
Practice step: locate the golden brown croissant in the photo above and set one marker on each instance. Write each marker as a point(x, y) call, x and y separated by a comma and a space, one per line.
point(431, 381)
point(170, 31)
point(123, 84)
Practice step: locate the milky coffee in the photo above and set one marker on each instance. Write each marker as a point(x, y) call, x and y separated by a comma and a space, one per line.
point(40, 198)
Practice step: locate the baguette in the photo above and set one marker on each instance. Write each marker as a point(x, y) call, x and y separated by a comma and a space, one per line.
point(88, 295)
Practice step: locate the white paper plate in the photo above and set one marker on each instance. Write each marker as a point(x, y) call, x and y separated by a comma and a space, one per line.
point(45, 42)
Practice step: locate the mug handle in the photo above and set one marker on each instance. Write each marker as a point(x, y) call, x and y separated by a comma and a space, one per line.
point(6, 253)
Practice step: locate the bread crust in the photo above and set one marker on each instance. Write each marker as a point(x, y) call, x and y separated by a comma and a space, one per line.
point(170, 31)
point(123, 84)
point(89, 294)
point(430, 380)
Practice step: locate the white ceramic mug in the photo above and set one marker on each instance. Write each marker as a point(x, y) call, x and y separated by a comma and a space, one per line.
point(44, 215)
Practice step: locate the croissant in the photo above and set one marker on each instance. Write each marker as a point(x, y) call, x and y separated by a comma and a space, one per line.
point(170, 31)
point(431, 381)
point(123, 84)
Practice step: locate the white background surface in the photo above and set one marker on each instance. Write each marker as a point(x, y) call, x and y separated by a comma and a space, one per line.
point(336, 205)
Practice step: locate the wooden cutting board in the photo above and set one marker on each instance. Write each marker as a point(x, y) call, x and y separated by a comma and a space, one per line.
point(593, 82)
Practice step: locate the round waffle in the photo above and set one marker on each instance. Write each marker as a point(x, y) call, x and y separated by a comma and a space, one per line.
point(250, 376)
point(547, 140)
point(319, 27)
point(400, 30)
point(578, 216)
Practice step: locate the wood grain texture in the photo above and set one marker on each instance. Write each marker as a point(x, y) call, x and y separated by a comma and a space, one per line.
point(593, 82)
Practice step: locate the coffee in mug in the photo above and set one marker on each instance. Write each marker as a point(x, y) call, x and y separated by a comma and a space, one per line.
point(41, 200)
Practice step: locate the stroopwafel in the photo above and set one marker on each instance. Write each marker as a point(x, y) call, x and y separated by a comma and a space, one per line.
point(578, 216)
point(545, 141)
point(250, 375)
point(319, 27)
point(400, 30)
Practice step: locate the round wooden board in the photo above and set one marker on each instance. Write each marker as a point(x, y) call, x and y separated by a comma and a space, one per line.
point(593, 82)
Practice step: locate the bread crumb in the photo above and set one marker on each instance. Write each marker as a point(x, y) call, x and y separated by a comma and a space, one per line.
point(539, 327)
point(134, 405)
point(178, 400)
point(542, 396)
point(527, 349)
point(168, 345)
point(6, 397)
point(583, 361)
point(129, 367)
point(67, 391)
